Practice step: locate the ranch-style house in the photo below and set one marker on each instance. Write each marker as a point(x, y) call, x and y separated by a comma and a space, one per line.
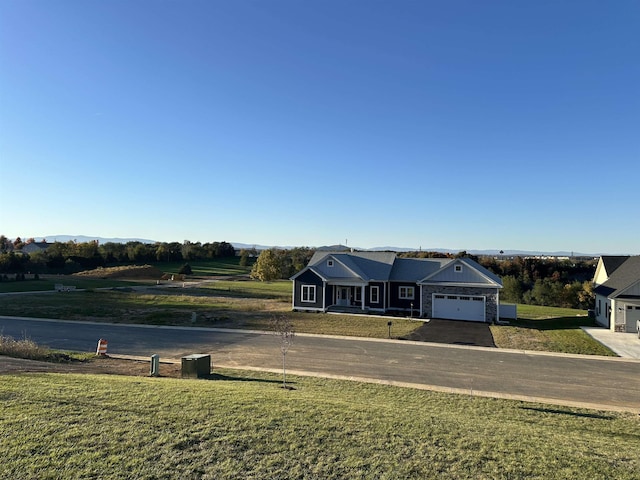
point(382, 282)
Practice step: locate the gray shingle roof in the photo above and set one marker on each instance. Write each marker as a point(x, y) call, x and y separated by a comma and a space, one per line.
point(384, 266)
point(625, 275)
point(415, 269)
point(612, 262)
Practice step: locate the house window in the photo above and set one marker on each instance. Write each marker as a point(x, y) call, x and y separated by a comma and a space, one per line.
point(309, 293)
point(358, 294)
point(374, 294)
point(406, 293)
point(457, 268)
point(440, 296)
point(329, 263)
point(599, 306)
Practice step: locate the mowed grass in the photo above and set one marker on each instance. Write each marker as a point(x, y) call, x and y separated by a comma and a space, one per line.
point(549, 329)
point(242, 425)
point(280, 290)
point(47, 284)
point(216, 267)
point(243, 304)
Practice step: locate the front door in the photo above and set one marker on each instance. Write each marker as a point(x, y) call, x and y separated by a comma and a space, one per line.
point(344, 296)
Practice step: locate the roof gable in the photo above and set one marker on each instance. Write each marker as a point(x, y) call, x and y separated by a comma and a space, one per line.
point(464, 271)
point(365, 265)
point(333, 266)
point(622, 279)
point(607, 264)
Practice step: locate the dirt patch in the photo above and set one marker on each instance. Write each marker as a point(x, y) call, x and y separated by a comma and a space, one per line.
point(453, 332)
point(100, 365)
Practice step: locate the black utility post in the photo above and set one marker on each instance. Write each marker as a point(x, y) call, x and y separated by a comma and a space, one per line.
point(389, 323)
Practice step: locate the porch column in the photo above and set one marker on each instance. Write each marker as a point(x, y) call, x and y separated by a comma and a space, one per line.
point(324, 296)
point(362, 296)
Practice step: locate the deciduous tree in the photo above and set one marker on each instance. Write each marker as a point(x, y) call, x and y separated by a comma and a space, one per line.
point(266, 268)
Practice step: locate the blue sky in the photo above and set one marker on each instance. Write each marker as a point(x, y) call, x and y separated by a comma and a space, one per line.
point(462, 124)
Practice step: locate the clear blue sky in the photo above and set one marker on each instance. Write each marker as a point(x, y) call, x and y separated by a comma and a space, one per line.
point(457, 124)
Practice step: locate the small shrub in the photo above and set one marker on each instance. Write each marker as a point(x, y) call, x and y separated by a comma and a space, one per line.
point(185, 269)
point(24, 348)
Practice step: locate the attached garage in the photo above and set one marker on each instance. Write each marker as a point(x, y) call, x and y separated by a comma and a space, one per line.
point(459, 307)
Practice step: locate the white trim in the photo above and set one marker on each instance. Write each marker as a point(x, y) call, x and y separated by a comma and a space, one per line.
point(324, 296)
point(377, 290)
point(406, 296)
point(311, 309)
point(446, 296)
point(308, 288)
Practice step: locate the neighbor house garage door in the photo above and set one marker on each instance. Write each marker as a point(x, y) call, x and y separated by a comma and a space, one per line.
point(632, 316)
point(459, 307)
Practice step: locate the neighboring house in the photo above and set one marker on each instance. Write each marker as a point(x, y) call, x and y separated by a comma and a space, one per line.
point(458, 289)
point(617, 291)
point(35, 247)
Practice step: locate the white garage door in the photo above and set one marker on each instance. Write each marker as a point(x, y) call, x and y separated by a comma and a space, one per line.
point(459, 307)
point(632, 316)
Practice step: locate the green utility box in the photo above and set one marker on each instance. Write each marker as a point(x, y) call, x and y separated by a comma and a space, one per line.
point(196, 366)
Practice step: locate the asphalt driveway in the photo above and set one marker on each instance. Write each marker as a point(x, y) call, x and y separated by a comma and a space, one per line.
point(453, 332)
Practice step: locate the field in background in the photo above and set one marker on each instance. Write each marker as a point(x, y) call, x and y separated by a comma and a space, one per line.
point(218, 267)
point(243, 425)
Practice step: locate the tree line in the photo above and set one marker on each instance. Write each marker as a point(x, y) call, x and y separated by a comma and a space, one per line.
point(69, 257)
point(545, 281)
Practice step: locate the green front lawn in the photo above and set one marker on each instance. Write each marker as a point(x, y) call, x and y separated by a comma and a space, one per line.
point(549, 329)
point(243, 425)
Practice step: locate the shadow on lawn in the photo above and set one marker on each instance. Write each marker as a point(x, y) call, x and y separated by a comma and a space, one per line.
point(573, 414)
point(556, 323)
point(231, 378)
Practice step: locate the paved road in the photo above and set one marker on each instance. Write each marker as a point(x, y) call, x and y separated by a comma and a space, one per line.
point(563, 379)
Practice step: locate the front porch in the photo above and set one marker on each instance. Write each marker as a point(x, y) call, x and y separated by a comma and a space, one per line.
point(346, 297)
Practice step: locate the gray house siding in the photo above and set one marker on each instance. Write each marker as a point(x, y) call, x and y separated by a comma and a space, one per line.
point(491, 295)
point(305, 279)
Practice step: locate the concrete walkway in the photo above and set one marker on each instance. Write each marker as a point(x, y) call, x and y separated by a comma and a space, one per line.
point(626, 345)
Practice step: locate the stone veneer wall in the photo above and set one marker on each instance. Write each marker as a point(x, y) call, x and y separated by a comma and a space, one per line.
point(491, 294)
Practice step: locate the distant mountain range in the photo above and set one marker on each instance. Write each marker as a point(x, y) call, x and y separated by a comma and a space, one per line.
point(238, 245)
point(84, 238)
